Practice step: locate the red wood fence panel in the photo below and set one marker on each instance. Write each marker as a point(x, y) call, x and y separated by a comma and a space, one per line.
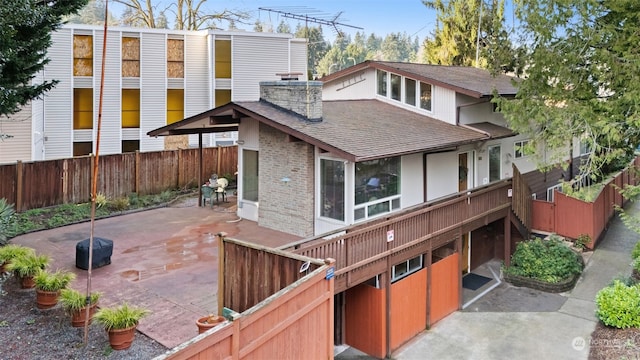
point(365, 320)
point(445, 292)
point(408, 308)
point(543, 216)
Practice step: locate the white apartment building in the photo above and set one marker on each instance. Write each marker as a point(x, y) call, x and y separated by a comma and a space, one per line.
point(152, 77)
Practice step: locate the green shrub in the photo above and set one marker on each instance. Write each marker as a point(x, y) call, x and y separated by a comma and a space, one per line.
point(12, 251)
point(635, 254)
point(101, 200)
point(119, 204)
point(28, 265)
point(58, 280)
point(582, 241)
point(618, 305)
point(74, 300)
point(7, 221)
point(121, 317)
point(549, 261)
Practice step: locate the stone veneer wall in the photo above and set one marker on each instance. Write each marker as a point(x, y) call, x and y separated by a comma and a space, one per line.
point(286, 207)
point(301, 97)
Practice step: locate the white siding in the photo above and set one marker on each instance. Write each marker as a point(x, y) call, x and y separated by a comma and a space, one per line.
point(411, 184)
point(248, 133)
point(37, 130)
point(110, 129)
point(444, 104)
point(360, 85)
point(58, 113)
point(197, 85)
point(442, 174)
point(256, 59)
point(19, 126)
point(298, 56)
point(153, 90)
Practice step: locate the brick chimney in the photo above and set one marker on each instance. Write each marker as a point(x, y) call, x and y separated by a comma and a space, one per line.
point(302, 97)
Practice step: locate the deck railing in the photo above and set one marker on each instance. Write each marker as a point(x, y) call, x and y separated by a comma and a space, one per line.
point(434, 223)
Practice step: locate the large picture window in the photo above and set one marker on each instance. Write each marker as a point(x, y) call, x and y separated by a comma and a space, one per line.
point(377, 189)
point(250, 175)
point(425, 96)
point(332, 189)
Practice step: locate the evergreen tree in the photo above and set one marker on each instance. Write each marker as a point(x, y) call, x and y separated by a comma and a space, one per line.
point(92, 14)
point(582, 62)
point(25, 36)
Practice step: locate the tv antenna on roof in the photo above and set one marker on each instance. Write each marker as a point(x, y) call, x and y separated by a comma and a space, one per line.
point(322, 19)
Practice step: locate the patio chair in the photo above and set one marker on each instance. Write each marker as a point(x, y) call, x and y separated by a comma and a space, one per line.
point(221, 189)
point(207, 193)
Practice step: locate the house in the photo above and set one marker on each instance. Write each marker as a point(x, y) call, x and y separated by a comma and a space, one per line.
point(153, 77)
point(401, 172)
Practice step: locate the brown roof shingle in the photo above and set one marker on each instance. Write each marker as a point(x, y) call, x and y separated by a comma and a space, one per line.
point(366, 129)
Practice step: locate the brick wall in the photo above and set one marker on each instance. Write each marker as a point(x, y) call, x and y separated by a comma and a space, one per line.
point(301, 97)
point(286, 207)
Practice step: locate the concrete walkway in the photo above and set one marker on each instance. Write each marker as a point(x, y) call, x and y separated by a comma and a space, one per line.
point(535, 325)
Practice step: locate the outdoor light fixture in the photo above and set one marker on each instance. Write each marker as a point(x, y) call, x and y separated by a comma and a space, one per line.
point(285, 180)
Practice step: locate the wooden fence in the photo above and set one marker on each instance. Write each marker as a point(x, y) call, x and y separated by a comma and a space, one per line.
point(295, 322)
point(571, 217)
point(38, 184)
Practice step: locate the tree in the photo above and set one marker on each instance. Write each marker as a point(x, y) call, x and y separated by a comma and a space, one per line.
point(581, 58)
point(455, 40)
point(92, 14)
point(283, 28)
point(25, 36)
point(189, 14)
point(317, 47)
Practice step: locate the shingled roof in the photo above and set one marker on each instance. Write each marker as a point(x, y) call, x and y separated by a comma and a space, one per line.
point(463, 79)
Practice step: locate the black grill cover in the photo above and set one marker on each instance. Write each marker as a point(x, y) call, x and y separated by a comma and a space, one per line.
point(102, 251)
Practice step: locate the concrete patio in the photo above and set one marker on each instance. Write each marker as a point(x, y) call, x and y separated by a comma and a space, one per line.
point(164, 259)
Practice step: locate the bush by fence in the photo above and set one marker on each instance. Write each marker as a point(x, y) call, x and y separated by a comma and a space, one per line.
point(38, 184)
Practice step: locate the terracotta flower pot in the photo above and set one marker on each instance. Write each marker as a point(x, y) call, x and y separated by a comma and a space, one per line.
point(636, 274)
point(3, 268)
point(78, 317)
point(46, 299)
point(207, 322)
point(121, 339)
point(26, 282)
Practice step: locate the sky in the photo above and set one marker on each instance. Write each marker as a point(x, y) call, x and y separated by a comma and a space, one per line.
point(374, 16)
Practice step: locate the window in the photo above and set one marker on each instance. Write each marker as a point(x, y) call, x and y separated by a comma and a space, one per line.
point(130, 145)
point(406, 268)
point(382, 82)
point(175, 58)
point(82, 148)
point(175, 105)
point(550, 191)
point(130, 108)
point(585, 147)
point(425, 96)
point(82, 55)
point(410, 91)
point(377, 189)
point(82, 109)
point(494, 163)
point(130, 57)
point(520, 149)
point(223, 59)
point(332, 189)
point(396, 87)
point(222, 97)
point(250, 175)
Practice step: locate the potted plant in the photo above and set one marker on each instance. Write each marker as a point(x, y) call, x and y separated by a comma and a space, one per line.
point(120, 322)
point(75, 304)
point(48, 286)
point(26, 267)
point(207, 322)
point(10, 252)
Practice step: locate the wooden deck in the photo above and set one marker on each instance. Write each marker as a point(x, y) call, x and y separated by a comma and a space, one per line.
point(368, 249)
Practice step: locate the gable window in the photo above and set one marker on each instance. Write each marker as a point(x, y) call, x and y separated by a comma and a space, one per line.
point(382, 82)
point(425, 96)
point(396, 85)
point(377, 189)
point(332, 189)
point(406, 268)
point(410, 91)
point(520, 149)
